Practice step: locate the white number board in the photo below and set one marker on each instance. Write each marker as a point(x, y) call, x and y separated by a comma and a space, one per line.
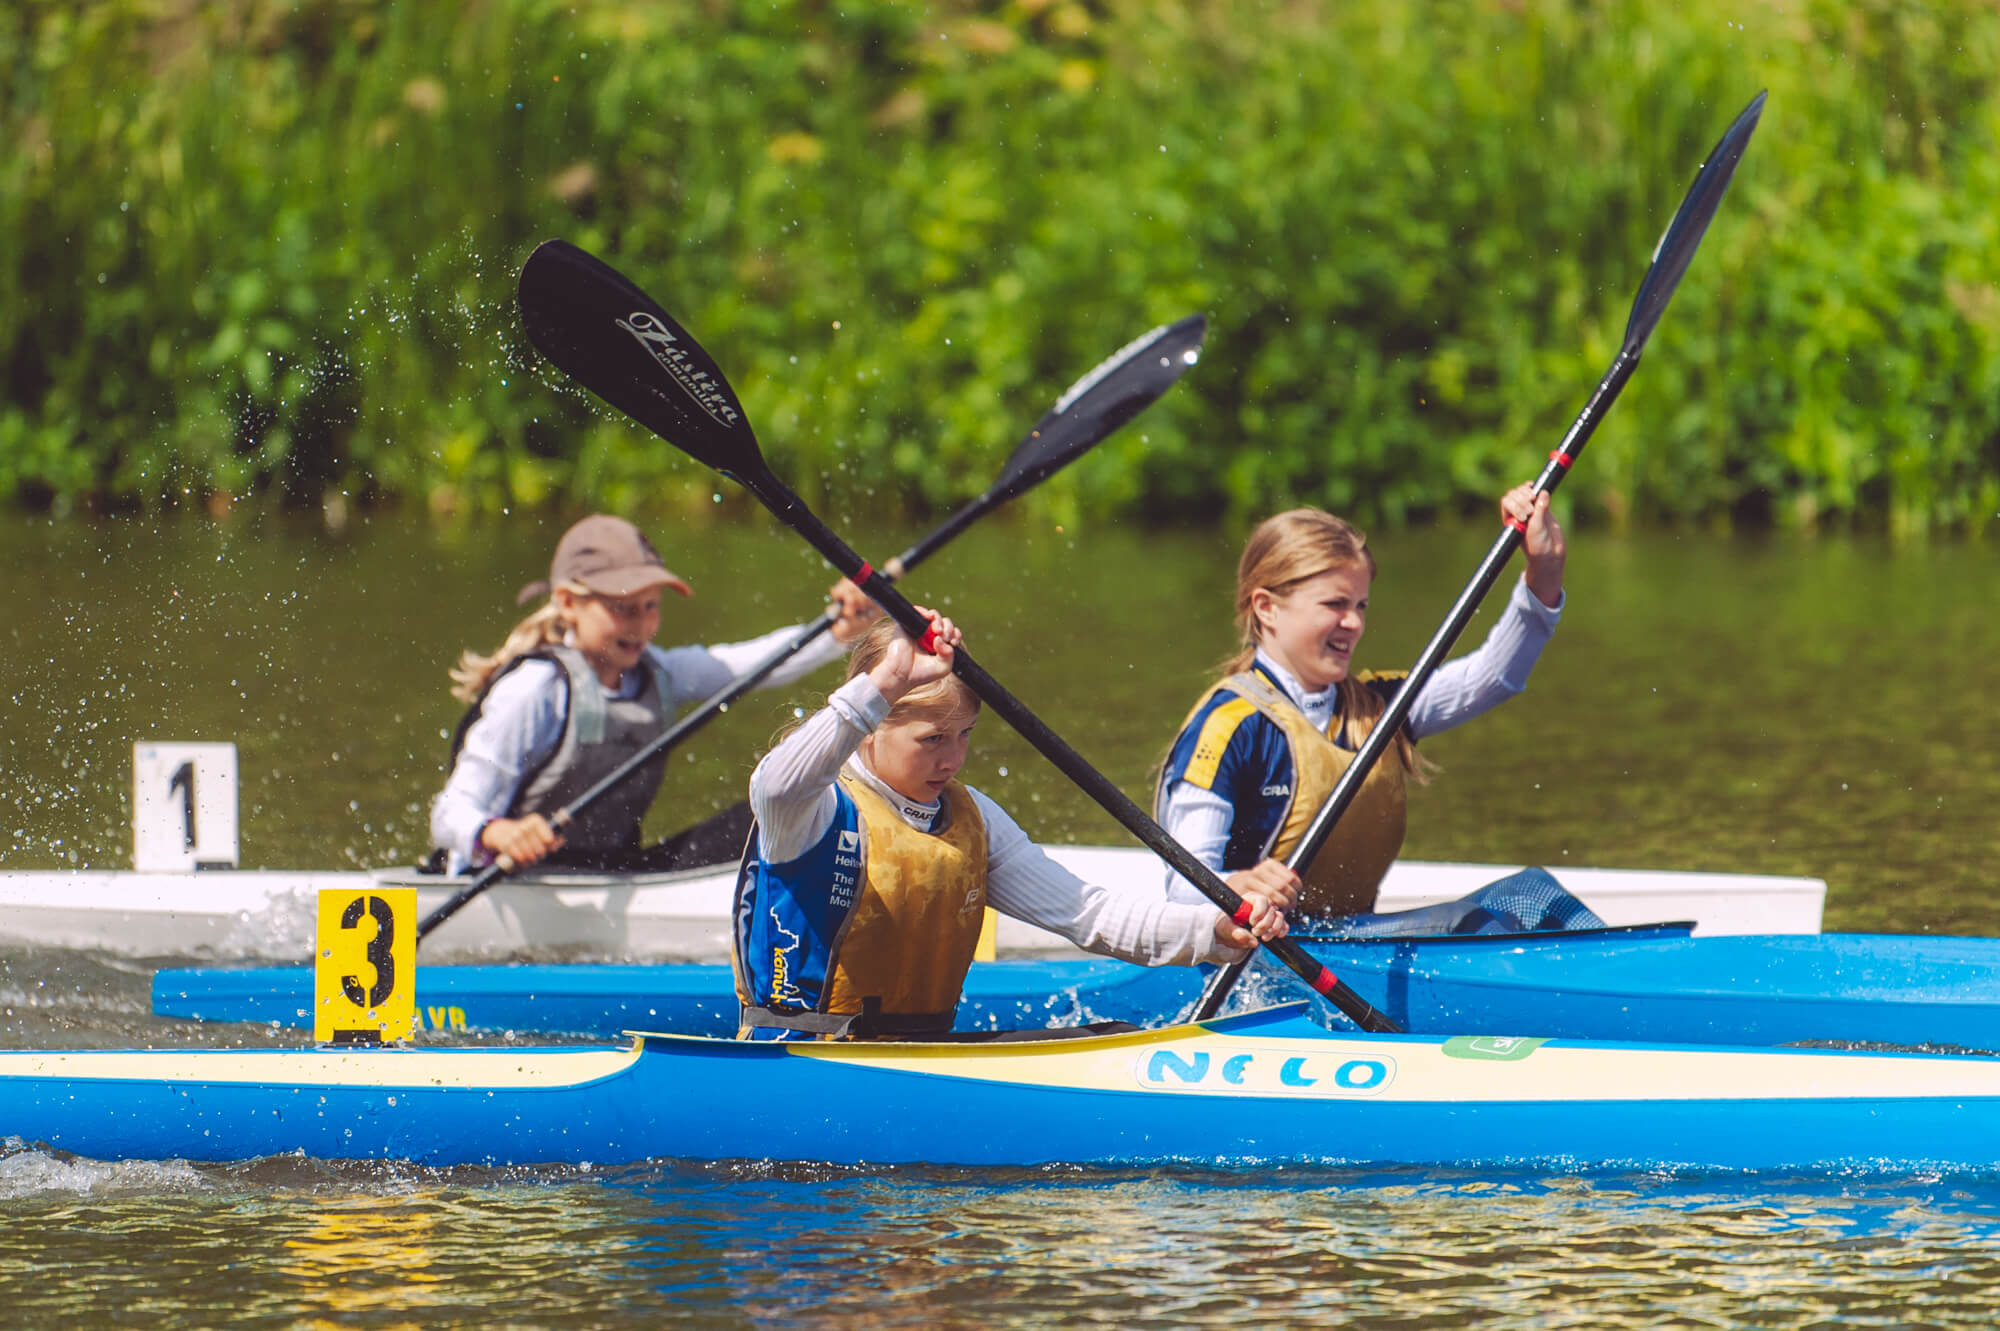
point(183, 807)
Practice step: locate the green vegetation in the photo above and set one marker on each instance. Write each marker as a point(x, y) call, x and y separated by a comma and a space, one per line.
point(264, 249)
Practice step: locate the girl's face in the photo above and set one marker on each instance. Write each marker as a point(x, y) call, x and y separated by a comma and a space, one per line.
point(1312, 629)
point(612, 631)
point(917, 757)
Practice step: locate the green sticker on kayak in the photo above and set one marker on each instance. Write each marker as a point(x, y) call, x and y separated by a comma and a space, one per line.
point(1495, 1048)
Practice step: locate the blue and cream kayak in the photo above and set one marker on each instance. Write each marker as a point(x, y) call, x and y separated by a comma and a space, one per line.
point(1649, 983)
point(1264, 1088)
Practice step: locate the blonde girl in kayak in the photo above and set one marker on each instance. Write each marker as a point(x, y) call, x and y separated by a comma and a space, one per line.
point(576, 688)
point(1263, 747)
point(861, 897)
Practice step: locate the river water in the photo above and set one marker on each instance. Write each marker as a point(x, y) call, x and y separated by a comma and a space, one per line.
point(1765, 705)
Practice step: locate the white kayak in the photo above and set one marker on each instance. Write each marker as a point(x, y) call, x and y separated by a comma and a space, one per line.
point(270, 913)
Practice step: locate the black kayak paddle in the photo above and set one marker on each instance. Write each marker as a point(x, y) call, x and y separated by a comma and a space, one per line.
point(1670, 260)
point(1088, 412)
point(615, 340)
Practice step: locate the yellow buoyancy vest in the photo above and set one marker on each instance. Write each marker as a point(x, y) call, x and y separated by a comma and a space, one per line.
point(1343, 878)
point(922, 901)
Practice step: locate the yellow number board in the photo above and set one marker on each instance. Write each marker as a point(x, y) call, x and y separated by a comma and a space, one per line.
point(365, 966)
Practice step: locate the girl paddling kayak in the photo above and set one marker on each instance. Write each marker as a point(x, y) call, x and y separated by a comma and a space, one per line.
point(579, 686)
point(1263, 747)
point(860, 900)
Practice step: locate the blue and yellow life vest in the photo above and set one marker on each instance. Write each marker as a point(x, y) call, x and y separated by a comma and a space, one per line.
point(870, 932)
point(1280, 771)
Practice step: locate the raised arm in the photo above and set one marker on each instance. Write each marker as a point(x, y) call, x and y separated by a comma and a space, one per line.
point(791, 792)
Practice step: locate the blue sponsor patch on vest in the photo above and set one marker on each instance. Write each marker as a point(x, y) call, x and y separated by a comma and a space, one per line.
point(789, 916)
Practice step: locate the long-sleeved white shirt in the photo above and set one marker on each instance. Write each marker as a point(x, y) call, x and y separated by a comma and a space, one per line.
point(1460, 690)
point(793, 796)
point(521, 722)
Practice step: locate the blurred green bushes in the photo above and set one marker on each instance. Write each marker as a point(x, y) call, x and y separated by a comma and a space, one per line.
point(266, 250)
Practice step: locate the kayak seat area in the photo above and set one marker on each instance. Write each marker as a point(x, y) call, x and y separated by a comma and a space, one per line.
point(1530, 901)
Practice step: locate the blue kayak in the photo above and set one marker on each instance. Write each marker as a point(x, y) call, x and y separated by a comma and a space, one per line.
point(1652, 983)
point(1257, 1090)
point(685, 998)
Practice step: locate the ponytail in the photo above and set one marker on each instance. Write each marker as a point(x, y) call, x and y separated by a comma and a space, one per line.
point(544, 628)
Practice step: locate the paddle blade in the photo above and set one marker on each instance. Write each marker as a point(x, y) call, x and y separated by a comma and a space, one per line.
point(615, 340)
point(1683, 235)
point(1119, 388)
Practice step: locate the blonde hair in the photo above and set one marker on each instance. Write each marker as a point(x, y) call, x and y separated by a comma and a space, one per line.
point(544, 628)
point(938, 700)
point(1285, 550)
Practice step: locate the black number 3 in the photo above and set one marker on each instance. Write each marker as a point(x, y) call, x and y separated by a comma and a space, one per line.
point(379, 955)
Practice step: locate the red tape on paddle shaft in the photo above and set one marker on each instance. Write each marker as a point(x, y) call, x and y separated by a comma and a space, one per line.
point(1326, 982)
point(1561, 459)
point(1242, 915)
point(1515, 523)
point(929, 641)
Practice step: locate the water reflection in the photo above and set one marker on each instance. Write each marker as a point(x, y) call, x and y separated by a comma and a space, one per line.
point(797, 1247)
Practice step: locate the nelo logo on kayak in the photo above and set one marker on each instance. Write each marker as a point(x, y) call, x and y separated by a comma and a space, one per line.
point(1235, 1069)
point(661, 344)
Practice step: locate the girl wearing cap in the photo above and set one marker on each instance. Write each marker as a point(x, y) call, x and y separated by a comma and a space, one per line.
point(865, 883)
point(1265, 745)
point(575, 689)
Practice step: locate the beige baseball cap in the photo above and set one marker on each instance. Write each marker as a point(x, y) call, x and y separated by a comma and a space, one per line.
point(608, 555)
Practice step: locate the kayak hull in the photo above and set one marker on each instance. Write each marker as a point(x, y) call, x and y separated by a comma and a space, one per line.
point(1655, 984)
point(1262, 1089)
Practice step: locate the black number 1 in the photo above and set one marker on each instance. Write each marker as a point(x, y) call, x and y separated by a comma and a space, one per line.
point(183, 781)
point(379, 955)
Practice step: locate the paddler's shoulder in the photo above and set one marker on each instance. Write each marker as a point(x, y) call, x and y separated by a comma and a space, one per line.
point(1225, 722)
point(1384, 683)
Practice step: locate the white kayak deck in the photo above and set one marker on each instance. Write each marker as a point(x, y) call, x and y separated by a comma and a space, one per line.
point(268, 914)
